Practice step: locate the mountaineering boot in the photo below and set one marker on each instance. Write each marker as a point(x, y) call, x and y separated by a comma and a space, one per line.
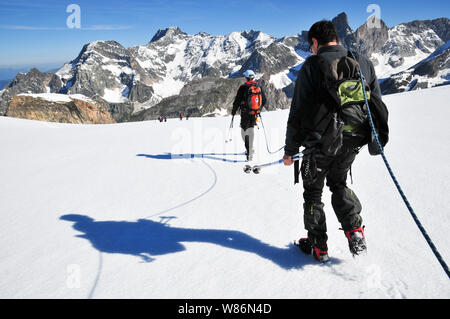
point(319, 252)
point(356, 241)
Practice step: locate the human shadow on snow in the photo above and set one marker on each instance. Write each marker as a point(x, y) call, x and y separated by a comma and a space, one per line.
point(147, 239)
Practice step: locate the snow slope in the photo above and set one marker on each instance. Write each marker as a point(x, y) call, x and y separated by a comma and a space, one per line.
point(103, 211)
point(55, 97)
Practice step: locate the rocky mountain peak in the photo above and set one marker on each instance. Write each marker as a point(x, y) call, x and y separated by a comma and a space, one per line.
point(33, 72)
point(345, 32)
point(371, 36)
point(103, 44)
point(250, 34)
point(341, 24)
point(168, 32)
point(440, 26)
point(110, 49)
point(203, 34)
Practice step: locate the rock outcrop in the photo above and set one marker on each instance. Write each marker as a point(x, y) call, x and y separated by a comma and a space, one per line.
point(34, 81)
point(58, 108)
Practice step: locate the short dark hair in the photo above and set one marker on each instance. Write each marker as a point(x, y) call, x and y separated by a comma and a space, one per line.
point(324, 31)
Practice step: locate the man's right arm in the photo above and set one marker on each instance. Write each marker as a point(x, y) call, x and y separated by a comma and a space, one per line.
point(303, 88)
point(238, 100)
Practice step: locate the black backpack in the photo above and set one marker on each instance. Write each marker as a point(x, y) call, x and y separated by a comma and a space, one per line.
point(341, 114)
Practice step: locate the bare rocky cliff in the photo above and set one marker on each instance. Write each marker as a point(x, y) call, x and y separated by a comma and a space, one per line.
point(73, 110)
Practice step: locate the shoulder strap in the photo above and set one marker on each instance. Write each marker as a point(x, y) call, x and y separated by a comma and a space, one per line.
point(354, 55)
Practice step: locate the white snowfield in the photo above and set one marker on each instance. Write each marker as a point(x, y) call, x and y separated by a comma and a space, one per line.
point(162, 210)
point(56, 97)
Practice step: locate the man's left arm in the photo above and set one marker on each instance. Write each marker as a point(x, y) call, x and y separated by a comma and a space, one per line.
point(370, 76)
point(263, 99)
point(374, 84)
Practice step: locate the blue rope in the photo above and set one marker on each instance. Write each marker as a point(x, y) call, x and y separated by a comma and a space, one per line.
point(265, 135)
point(402, 194)
point(295, 157)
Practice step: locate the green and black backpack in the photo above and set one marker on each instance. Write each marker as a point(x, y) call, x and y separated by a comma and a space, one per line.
point(341, 114)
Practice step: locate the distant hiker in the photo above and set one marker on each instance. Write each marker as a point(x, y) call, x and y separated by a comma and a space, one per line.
point(160, 119)
point(328, 117)
point(181, 116)
point(250, 99)
point(165, 118)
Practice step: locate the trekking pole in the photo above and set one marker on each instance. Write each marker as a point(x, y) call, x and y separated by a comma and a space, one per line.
point(402, 194)
point(265, 135)
point(229, 137)
point(257, 168)
point(296, 157)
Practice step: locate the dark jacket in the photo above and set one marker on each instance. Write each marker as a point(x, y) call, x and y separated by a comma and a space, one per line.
point(247, 120)
point(307, 89)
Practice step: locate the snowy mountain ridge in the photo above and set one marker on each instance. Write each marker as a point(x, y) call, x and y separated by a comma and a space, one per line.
point(433, 70)
point(131, 80)
point(159, 69)
point(173, 58)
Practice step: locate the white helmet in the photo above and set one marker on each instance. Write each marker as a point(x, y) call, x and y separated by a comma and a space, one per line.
point(249, 74)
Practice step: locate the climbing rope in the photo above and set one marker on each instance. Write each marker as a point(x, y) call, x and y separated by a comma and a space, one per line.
point(402, 194)
point(267, 143)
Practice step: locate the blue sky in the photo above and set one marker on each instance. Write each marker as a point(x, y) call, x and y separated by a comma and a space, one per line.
point(35, 32)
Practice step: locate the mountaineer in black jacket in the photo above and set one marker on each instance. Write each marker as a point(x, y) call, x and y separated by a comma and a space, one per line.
point(323, 41)
point(248, 116)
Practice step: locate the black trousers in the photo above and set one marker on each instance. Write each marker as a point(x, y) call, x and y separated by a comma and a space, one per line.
point(345, 203)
